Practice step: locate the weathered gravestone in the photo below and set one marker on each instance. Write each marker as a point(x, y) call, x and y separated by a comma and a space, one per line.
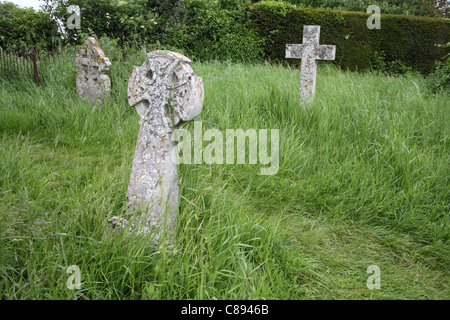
point(164, 91)
point(92, 83)
point(309, 51)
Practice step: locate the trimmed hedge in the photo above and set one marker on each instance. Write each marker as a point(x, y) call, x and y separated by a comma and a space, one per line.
point(408, 39)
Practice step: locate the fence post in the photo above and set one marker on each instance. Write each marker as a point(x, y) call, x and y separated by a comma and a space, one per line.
point(36, 74)
point(10, 63)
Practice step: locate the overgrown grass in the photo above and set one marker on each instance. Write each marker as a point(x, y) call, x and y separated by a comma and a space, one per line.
point(363, 180)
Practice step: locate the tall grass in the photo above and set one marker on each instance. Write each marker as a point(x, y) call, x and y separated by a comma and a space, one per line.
point(362, 180)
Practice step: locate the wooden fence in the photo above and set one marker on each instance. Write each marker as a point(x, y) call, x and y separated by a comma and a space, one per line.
point(29, 65)
point(32, 64)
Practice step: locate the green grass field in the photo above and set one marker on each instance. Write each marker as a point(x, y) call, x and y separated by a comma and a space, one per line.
point(363, 180)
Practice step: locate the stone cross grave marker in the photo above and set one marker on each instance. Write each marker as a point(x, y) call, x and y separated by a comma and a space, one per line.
point(92, 83)
point(309, 51)
point(164, 91)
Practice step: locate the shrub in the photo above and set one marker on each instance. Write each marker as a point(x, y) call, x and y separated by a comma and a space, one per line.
point(439, 80)
point(215, 30)
point(278, 8)
point(242, 45)
point(393, 68)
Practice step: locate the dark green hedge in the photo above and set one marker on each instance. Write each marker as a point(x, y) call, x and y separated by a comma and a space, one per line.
point(408, 39)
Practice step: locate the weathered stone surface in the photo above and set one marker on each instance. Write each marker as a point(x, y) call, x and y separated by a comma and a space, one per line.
point(164, 91)
point(309, 52)
point(92, 83)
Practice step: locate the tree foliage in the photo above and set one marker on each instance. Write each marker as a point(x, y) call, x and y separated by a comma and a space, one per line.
point(126, 20)
point(25, 27)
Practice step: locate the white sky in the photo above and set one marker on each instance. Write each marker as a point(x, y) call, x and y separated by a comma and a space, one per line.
point(27, 3)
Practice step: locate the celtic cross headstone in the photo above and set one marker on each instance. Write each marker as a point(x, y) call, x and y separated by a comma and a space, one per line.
point(164, 91)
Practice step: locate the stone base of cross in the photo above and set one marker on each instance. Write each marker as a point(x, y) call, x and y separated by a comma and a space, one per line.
point(309, 52)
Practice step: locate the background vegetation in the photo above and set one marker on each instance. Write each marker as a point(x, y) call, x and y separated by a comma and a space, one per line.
point(241, 30)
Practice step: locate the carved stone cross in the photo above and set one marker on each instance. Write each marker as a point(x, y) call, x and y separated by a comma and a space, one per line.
point(309, 52)
point(92, 83)
point(164, 91)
